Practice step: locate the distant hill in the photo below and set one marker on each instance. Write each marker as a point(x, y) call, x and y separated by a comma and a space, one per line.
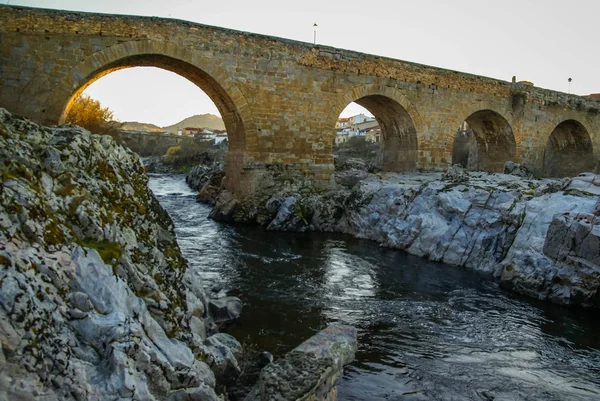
point(209, 121)
point(135, 126)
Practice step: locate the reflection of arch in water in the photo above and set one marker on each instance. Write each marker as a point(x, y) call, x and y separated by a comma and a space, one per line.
point(569, 150)
point(484, 141)
point(398, 119)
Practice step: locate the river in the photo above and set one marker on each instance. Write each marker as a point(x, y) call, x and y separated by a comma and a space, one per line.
point(427, 331)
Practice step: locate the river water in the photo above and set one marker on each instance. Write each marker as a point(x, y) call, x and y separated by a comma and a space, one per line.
point(427, 331)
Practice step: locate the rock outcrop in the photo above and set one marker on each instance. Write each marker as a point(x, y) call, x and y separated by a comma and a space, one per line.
point(507, 225)
point(96, 302)
point(206, 179)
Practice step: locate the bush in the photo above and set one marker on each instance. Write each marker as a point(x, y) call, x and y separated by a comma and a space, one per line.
point(172, 155)
point(89, 114)
point(191, 154)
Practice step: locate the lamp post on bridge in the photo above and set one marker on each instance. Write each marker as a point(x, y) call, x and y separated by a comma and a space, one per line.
point(315, 33)
point(570, 79)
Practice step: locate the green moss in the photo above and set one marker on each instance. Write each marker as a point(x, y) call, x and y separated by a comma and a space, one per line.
point(37, 211)
point(173, 256)
point(172, 333)
point(15, 170)
point(577, 192)
point(78, 200)
point(106, 172)
point(136, 255)
point(147, 292)
point(109, 251)
point(96, 350)
point(201, 356)
point(141, 209)
point(303, 213)
point(66, 190)
point(53, 235)
point(4, 261)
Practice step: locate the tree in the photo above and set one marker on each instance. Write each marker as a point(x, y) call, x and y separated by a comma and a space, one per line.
point(89, 114)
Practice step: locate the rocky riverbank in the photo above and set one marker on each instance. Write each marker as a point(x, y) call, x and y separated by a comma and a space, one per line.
point(538, 237)
point(96, 302)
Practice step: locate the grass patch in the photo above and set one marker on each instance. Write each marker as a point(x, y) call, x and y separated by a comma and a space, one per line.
point(109, 251)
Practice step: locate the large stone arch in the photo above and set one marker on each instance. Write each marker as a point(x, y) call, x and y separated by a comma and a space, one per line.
point(485, 143)
point(569, 150)
point(208, 76)
point(399, 120)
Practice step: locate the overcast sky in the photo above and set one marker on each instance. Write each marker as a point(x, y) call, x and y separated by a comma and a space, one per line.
point(542, 41)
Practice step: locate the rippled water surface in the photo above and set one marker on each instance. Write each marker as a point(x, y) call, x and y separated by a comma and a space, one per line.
point(427, 331)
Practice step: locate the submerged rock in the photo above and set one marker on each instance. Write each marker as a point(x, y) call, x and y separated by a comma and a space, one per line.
point(96, 302)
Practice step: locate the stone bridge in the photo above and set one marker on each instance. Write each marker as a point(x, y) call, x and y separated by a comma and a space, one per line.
point(280, 99)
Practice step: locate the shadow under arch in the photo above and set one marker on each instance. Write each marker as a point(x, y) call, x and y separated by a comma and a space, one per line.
point(484, 141)
point(201, 71)
point(569, 150)
point(397, 117)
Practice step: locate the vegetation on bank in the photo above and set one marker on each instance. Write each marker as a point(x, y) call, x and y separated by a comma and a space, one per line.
point(358, 147)
point(182, 159)
point(91, 115)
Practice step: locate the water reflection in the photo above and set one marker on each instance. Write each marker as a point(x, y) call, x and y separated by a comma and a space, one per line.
point(426, 330)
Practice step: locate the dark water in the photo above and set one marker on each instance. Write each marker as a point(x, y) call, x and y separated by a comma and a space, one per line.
point(427, 331)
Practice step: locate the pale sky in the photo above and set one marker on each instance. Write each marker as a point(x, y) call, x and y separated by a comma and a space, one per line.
point(542, 41)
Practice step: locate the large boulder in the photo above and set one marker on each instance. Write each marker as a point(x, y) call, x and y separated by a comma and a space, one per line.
point(350, 177)
point(517, 169)
point(567, 271)
point(456, 174)
point(226, 309)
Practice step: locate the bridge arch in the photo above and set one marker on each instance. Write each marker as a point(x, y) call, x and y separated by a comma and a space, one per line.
point(569, 150)
point(398, 118)
point(484, 141)
point(201, 71)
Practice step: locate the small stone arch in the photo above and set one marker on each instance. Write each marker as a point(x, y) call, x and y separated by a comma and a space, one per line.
point(208, 76)
point(399, 120)
point(569, 150)
point(484, 141)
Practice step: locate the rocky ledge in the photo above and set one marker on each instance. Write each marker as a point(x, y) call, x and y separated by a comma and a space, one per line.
point(96, 302)
point(311, 371)
point(538, 237)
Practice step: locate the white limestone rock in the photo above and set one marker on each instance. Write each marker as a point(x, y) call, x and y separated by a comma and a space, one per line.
point(96, 302)
point(494, 223)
